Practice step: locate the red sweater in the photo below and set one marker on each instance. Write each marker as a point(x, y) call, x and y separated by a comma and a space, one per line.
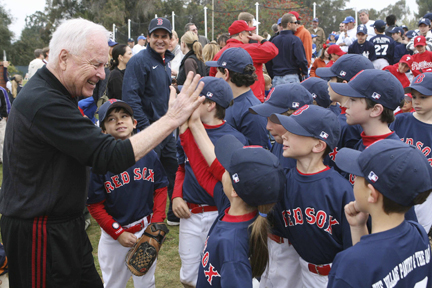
point(260, 53)
point(393, 69)
point(421, 62)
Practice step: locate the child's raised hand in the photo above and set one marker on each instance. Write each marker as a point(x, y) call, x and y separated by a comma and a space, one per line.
point(355, 217)
point(127, 239)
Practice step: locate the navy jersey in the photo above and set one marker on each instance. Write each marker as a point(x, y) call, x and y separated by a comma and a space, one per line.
point(129, 195)
point(367, 49)
point(414, 132)
point(311, 214)
point(399, 257)
point(399, 51)
point(365, 141)
point(286, 163)
point(192, 191)
point(384, 47)
point(252, 126)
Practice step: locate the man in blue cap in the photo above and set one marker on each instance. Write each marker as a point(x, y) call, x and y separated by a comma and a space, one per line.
point(361, 45)
point(391, 177)
point(384, 47)
point(146, 88)
point(349, 35)
point(141, 45)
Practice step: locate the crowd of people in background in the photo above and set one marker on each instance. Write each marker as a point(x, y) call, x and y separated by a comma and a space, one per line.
point(294, 87)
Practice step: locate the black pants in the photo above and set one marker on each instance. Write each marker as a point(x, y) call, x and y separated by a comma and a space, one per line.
point(49, 253)
point(168, 157)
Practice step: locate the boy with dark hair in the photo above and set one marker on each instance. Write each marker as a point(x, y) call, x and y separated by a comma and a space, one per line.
point(361, 45)
point(196, 208)
point(235, 66)
point(310, 212)
point(284, 99)
point(391, 177)
point(372, 96)
point(125, 204)
point(416, 129)
point(384, 47)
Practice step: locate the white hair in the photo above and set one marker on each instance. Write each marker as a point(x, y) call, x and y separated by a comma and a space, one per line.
point(363, 11)
point(73, 35)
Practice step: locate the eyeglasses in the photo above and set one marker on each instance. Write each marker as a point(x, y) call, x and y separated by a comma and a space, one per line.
point(295, 22)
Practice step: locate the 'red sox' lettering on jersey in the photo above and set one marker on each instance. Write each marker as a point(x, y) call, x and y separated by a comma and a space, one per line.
point(123, 178)
point(321, 219)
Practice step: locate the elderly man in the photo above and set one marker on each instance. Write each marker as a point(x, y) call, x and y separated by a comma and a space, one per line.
point(49, 147)
point(320, 35)
point(192, 27)
point(364, 19)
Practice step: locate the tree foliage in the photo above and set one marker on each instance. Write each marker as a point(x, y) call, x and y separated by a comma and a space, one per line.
point(424, 6)
point(5, 34)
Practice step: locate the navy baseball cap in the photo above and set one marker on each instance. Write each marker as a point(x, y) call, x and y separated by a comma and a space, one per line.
point(362, 29)
point(235, 59)
point(346, 67)
point(319, 90)
point(160, 23)
point(377, 85)
point(349, 19)
point(282, 98)
point(404, 27)
point(217, 90)
point(425, 21)
point(256, 174)
point(428, 16)
point(397, 170)
point(421, 83)
point(131, 40)
point(411, 34)
point(111, 43)
point(312, 121)
point(379, 24)
point(398, 30)
point(111, 104)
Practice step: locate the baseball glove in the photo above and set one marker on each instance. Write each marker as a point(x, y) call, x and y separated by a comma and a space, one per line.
point(141, 256)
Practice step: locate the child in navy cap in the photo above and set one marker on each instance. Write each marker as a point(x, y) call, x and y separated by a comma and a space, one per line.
point(284, 99)
point(391, 177)
point(310, 212)
point(361, 45)
point(319, 90)
point(197, 209)
point(245, 188)
point(416, 129)
point(125, 203)
point(424, 26)
point(235, 66)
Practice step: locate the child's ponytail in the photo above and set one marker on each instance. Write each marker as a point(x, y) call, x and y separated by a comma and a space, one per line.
point(259, 256)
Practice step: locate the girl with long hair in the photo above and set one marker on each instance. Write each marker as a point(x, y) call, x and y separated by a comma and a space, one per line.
point(193, 60)
point(245, 183)
point(120, 57)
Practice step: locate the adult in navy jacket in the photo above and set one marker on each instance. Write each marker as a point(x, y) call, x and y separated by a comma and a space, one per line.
point(146, 89)
point(291, 61)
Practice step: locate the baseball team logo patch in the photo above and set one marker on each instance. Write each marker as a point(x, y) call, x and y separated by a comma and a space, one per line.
point(209, 94)
point(295, 104)
point(235, 178)
point(300, 110)
point(223, 63)
point(373, 177)
point(342, 73)
point(115, 225)
point(419, 79)
point(159, 21)
point(324, 135)
point(376, 96)
point(314, 96)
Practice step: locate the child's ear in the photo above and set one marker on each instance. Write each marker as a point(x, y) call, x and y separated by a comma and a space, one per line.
point(134, 123)
point(319, 146)
point(226, 75)
point(374, 195)
point(211, 106)
point(376, 111)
